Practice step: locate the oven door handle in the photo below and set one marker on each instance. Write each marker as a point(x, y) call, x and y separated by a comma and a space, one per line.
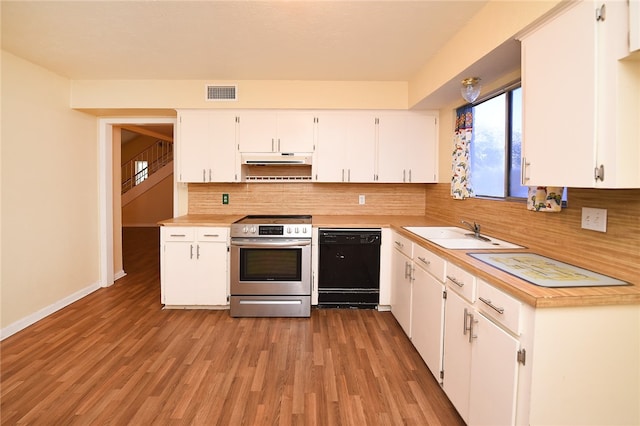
point(275, 244)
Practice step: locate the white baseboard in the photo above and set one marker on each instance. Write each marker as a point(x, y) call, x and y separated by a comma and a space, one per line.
point(121, 273)
point(46, 311)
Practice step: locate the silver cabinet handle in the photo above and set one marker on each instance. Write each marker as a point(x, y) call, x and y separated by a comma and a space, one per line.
point(190, 251)
point(523, 168)
point(404, 175)
point(278, 144)
point(198, 251)
point(349, 175)
point(177, 235)
point(204, 176)
point(343, 175)
point(399, 244)
point(491, 305)
point(409, 175)
point(472, 321)
point(209, 175)
point(456, 282)
point(211, 235)
point(272, 145)
point(464, 322)
point(423, 260)
point(407, 270)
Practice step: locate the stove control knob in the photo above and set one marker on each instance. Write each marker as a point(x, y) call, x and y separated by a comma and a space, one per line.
point(245, 229)
point(253, 230)
point(288, 229)
point(297, 231)
point(304, 230)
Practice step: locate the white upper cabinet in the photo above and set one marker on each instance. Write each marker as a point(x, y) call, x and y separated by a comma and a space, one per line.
point(361, 148)
point(206, 146)
point(345, 150)
point(376, 146)
point(392, 147)
point(407, 148)
point(281, 131)
point(581, 100)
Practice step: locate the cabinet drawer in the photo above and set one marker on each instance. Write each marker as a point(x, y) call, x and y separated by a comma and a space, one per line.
point(461, 281)
point(403, 244)
point(177, 233)
point(206, 233)
point(430, 262)
point(500, 306)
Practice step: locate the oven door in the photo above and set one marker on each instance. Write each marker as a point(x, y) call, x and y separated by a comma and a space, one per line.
point(270, 267)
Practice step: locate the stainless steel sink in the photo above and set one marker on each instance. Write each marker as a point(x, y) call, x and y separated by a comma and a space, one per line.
point(451, 237)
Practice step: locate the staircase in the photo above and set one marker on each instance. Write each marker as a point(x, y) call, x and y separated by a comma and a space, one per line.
point(141, 167)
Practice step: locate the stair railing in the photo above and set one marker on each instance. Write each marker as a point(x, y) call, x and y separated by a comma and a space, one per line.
point(143, 165)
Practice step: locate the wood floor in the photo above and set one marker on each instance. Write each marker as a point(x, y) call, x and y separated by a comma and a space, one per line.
point(115, 357)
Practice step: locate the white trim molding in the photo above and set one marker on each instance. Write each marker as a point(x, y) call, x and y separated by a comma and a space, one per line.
point(105, 147)
point(25, 322)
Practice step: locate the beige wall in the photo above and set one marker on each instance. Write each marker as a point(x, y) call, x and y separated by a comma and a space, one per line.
point(168, 94)
point(49, 192)
point(496, 23)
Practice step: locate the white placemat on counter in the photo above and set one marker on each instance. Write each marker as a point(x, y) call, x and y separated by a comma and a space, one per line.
point(544, 271)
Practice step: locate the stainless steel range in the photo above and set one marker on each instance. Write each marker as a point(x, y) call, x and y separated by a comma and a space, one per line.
point(271, 266)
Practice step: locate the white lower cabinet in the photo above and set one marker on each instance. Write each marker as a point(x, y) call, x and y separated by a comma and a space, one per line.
point(480, 358)
point(457, 353)
point(402, 281)
point(427, 308)
point(494, 374)
point(505, 362)
point(194, 266)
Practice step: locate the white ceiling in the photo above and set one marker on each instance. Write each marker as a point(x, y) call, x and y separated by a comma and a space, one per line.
point(233, 40)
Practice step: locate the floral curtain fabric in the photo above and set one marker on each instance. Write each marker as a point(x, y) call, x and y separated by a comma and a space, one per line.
point(545, 198)
point(460, 183)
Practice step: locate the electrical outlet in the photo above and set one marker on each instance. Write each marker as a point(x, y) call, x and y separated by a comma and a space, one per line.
point(225, 198)
point(594, 219)
point(361, 199)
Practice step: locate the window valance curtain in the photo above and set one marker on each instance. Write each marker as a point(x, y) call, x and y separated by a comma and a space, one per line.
point(460, 183)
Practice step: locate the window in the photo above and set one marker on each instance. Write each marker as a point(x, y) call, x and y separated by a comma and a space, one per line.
point(142, 171)
point(496, 147)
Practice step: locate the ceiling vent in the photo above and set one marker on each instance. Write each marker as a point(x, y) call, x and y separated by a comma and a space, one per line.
point(222, 92)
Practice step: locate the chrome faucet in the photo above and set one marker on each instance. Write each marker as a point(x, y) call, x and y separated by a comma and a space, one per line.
point(475, 228)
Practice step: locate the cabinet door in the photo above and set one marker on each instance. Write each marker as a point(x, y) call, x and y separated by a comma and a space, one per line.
point(361, 148)
point(457, 353)
point(206, 146)
point(401, 290)
point(427, 316)
point(180, 273)
point(559, 101)
point(494, 375)
point(257, 132)
point(421, 157)
point(210, 286)
point(295, 132)
point(222, 147)
point(618, 150)
point(194, 146)
point(330, 161)
point(392, 158)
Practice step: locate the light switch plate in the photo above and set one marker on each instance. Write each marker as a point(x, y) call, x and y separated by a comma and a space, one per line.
point(361, 199)
point(594, 219)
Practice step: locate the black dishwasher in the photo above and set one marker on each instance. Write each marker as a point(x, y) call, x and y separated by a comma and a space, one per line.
point(349, 268)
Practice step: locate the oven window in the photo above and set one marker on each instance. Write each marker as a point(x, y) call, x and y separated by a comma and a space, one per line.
point(270, 264)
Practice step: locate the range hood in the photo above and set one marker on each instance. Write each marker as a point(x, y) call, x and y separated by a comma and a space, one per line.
point(276, 159)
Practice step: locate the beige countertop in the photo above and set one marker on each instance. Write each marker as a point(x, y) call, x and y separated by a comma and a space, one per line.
point(540, 297)
point(201, 220)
